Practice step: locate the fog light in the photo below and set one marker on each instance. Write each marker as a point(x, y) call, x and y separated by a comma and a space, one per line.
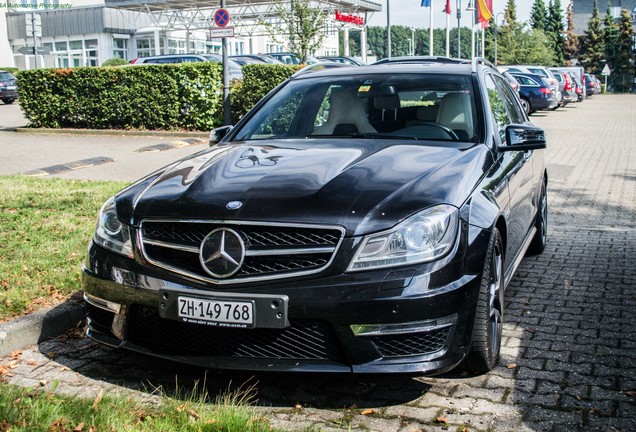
point(402, 328)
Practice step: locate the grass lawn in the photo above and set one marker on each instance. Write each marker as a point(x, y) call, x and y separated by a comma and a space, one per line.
point(45, 226)
point(27, 410)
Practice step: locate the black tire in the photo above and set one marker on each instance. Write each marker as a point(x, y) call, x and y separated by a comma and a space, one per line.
point(488, 326)
point(540, 238)
point(8, 101)
point(525, 105)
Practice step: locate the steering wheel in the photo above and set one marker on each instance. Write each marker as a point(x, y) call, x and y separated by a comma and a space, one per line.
point(447, 130)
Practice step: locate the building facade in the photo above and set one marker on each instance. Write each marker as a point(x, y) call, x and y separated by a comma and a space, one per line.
point(89, 32)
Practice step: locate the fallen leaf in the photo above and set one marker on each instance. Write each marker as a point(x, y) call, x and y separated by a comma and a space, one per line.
point(298, 406)
point(58, 425)
point(42, 382)
point(511, 365)
point(92, 429)
point(180, 408)
point(5, 426)
point(32, 363)
point(98, 399)
point(12, 364)
point(578, 397)
point(79, 427)
point(64, 368)
point(441, 420)
point(367, 411)
point(193, 413)
point(630, 393)
point(15, 355)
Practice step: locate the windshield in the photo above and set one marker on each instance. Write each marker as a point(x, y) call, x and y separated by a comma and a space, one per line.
point(6, 76)
point(397, 106)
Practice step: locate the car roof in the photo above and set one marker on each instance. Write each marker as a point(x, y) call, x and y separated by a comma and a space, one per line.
point(422, 59)
point(401, 68)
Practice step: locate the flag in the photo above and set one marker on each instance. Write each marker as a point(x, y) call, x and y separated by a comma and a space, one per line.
point(426, 3)
point(447, 9)
point(484, 11)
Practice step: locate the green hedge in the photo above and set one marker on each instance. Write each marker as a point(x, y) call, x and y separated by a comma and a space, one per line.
point(168, 97)
point(11, 70)
point(258, 80)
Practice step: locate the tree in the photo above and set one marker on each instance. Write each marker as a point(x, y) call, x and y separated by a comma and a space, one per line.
point(571, 47)
point(302, 26)
point(510, 15)
point(555, 31)
point(610, 36)
point(538, 15)
point(593, 46)
point(624, 67)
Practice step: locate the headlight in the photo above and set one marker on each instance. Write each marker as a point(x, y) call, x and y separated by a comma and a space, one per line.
point(425, 236)
point(110, 233)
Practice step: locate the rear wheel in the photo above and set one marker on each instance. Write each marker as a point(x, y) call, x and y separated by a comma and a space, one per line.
point(8, 101)
point(540, 238)
point(526, 105)
point(488, 326)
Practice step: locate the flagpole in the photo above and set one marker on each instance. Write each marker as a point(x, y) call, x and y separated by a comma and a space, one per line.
point(430, 36)
point(483, 42)
point(447, 30)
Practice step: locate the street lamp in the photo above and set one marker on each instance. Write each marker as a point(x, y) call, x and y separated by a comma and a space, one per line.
point(472, 9)
point(388, 29)
point(496, 30)
point(458, 6)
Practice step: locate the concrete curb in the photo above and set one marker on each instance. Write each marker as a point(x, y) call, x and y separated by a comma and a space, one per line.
point(111, 132)
point(39, 326)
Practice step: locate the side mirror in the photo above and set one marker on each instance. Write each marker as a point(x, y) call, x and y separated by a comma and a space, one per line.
point(219, 133)
point(523, 138)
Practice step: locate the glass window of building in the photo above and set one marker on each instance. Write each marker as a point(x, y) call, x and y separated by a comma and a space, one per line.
point(120, 48)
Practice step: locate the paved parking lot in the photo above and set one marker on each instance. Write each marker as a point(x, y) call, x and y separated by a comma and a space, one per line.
point(569, 357)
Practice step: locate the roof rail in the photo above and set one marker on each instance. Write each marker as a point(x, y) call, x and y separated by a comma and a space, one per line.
point(481, 60)
point(319, 67)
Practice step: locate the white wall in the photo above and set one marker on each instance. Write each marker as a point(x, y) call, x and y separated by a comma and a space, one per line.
point(6, 55)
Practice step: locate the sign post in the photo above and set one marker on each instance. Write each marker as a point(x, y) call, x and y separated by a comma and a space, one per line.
point(34, 30)
point(222, 19)
point(606, 72)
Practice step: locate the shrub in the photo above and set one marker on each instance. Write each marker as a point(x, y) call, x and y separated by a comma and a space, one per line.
point(258, 80)
point(115, 61)
point(180, 96)
point(11, 70)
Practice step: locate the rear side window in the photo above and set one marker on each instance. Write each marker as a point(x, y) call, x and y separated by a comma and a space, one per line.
point(538, 71)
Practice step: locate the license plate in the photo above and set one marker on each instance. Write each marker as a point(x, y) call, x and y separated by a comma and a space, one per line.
point(11, 87)
point(222, 313)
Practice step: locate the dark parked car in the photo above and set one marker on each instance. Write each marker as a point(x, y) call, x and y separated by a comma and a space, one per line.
point(291, 58)
point(592, 85)
point(535, 93)
point(244, 59)
point(342, 59)
point(8, 87)
point(356, 220)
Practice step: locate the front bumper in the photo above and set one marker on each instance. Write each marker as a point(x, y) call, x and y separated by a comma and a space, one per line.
point(416, 319)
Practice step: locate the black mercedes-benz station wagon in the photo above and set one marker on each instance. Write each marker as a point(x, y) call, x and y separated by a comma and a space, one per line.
point(359, 220)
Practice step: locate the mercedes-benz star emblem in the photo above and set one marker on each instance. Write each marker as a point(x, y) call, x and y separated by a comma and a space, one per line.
point(222, 253)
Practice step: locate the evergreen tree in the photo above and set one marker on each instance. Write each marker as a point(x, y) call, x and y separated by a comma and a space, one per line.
point(593, 46)
point(555, 31)
point(610, 36)
point(510, 16)
point(571, 47)
point(538, 15)
point(624, 69)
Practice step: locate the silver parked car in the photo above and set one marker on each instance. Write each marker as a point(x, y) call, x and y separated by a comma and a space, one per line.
point(235, 69)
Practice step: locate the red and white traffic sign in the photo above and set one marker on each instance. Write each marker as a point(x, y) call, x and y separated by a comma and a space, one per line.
point(221, 17)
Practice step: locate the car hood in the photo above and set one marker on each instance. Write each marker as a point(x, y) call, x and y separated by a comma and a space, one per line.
point(362, 185)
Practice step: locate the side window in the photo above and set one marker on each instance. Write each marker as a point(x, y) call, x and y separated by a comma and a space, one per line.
point(513, 106)
point(498, 108)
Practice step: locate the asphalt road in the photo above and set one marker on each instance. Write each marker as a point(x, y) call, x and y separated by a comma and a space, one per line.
point(569, 355)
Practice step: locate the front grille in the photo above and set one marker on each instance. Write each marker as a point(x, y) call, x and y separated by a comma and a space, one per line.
point(412, 344)
point(271, 251)
point(304, 340)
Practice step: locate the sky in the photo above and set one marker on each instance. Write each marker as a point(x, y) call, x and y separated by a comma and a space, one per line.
point(410, 13)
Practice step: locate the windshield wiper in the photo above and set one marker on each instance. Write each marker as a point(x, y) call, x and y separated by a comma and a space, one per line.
point(364, 135)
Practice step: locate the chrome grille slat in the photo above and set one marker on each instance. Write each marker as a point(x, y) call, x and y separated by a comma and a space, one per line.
point(272, 251)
